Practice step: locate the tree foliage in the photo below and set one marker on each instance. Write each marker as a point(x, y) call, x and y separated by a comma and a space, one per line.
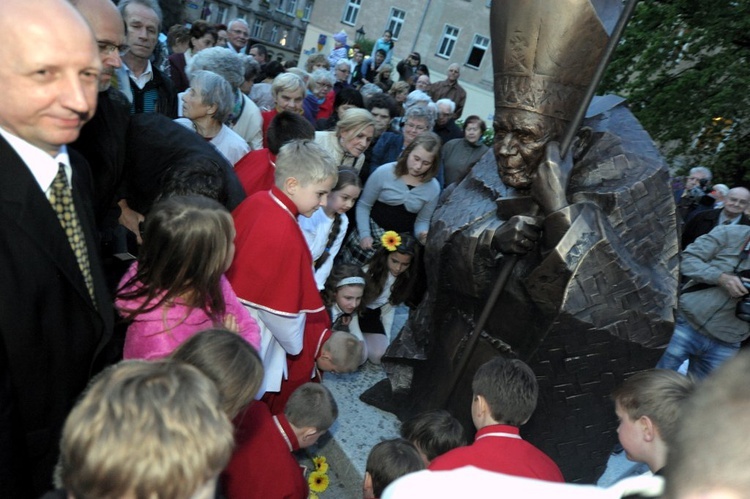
point(683, 64)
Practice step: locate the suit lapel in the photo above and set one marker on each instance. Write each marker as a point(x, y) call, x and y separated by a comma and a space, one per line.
point(25, 205)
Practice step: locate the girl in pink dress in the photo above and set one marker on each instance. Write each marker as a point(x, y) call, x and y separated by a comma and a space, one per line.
point(177, 287)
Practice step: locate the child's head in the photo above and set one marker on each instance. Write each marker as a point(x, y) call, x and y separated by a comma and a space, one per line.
point(398, 256)
point(229, 361)
point(342, 353)
point(505, 392)
point(188, 243)
point(311, 410)
point(287, 126)
point(421, 158)
point(146, 429)
point(344, 287)
point(648, 405)
point(345, 192)
point(388, 461)
point(306, 173)
point(195, 175)
point(434, 433)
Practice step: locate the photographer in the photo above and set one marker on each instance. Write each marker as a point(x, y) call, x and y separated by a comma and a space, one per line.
point(695, 193)
point(407, 68)
point(714, 306)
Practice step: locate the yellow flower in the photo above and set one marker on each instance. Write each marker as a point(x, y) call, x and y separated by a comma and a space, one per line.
point(318, 481)
point(391, 240)
point(320, 464)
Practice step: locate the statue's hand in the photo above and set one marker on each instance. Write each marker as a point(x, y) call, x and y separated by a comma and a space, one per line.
point(551, 183)
point(518, 235)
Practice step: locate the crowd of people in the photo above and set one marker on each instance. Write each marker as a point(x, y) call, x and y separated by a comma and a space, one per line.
point(192, 236)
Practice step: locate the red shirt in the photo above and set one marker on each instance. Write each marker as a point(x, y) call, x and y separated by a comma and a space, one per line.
point(267, 117)
point(256, 171)
point(500, 448)
point(262, 465)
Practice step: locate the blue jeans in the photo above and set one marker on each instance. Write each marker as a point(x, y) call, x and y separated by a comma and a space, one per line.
point(704, 353)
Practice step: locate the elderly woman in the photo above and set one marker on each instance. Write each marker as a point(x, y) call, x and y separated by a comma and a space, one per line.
point(320, 83)
point(202, 36)
point(353, 134)
point(341, 72)
point(205, 106)
point(459, 155)
point(288, 92)
point(417, 119)
point(245, 118)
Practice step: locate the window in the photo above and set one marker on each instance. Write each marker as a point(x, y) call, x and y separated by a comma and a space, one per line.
point(477, 51)
point(448, 41)
point(280, 7)
point(221, 14)
point(257, 29)
point(395, 22)
point(351, 11)
point(274, 33)
point(291, 7)
point(308, 10)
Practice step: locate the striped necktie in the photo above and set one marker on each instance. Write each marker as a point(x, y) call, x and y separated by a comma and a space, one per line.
point(61, 199)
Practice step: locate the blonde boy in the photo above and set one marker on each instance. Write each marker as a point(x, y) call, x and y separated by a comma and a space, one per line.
point(272, 270)
point(648, 405)
point(146, 429)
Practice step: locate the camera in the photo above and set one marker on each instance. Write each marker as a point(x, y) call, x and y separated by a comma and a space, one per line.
point(742, 310)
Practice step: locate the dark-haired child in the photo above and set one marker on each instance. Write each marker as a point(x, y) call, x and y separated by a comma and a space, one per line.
point(325, 230)
point(390, 277)
point(505, 396)
point(388, 461)
point(433, 433)
point(177, 287)
point(257, 168)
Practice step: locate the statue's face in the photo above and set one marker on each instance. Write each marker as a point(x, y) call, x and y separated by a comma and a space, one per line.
point(520, 137)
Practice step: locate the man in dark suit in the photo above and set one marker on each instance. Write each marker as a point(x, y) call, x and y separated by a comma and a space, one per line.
point(732, 213)
point(56, 316)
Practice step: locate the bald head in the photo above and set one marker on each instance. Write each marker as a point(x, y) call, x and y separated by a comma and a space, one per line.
point(49, 74)
point(736, 202)
point(106, 23)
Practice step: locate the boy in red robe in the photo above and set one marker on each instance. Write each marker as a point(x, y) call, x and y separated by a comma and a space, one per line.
point(257, 168)
point(262, 465)
point(323, 351)
point(505, 395)
point(272, 272)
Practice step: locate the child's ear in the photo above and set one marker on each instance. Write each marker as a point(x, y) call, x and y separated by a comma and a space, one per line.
point(367, 491)
point(291, 185)
point(648, 429)
point(309, 435)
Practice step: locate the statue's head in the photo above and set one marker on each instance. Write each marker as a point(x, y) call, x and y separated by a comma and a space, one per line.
point(544, 55)
point(520, 138)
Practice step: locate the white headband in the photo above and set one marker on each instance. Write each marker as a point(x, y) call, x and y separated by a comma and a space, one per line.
point(349, 281)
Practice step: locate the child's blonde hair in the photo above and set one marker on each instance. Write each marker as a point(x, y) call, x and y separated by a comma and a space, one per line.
point(186, 242)
point(229, 361)
point(305, 161)
point(658, 394)
point(311, 406)
point(145, 429)
point(345, 350)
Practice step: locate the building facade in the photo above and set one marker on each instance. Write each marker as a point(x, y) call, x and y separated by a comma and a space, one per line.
point(443, 32)
point(280, 25)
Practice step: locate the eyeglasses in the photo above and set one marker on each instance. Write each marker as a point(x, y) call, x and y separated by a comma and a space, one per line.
point(108, 48)
point(414, 126)
point(324, 85)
